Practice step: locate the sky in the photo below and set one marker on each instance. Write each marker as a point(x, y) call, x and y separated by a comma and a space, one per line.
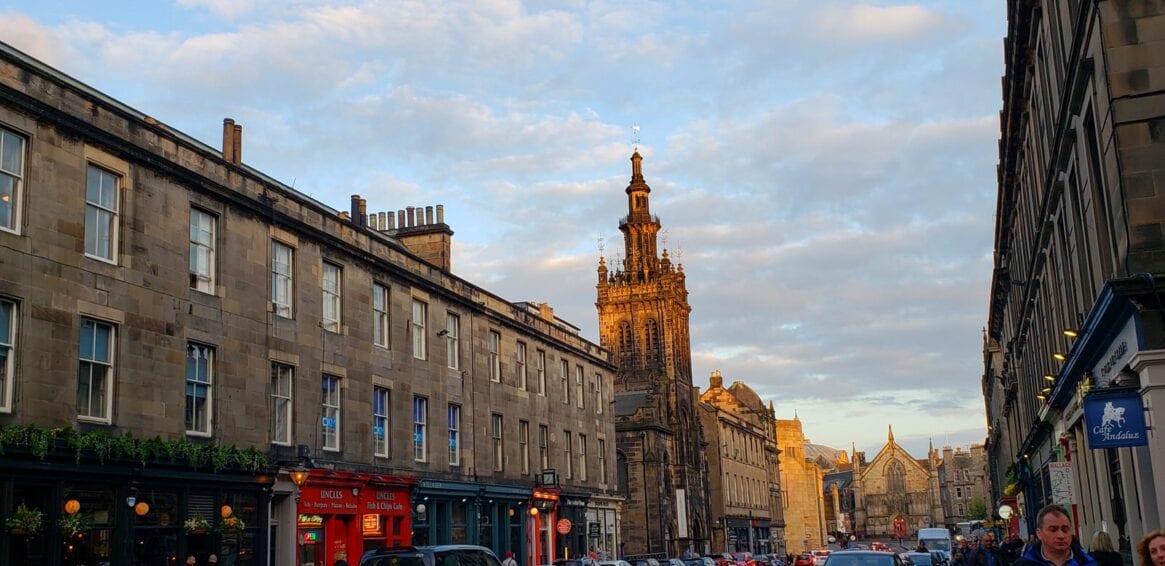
point(823, 169)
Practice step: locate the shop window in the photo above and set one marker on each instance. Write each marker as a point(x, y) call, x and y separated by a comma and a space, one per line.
point(457, 518)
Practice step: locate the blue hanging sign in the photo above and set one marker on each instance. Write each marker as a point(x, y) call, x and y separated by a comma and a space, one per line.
point(1115, 420)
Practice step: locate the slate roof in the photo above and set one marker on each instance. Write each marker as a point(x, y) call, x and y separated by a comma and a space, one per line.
point(628, 402)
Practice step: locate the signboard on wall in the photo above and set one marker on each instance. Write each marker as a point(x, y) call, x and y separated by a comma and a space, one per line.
point(682, 513)
point(1061, 484)
point(1115, 420)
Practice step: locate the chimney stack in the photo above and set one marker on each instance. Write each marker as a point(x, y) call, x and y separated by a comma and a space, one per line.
point(355, 209)
point(228, 139)
point(423, 231)
point(363, 212)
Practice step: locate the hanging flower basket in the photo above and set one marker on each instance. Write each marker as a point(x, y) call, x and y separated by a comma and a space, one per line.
point(24, 521)
point(230, 524)
point(72, 525)
point(196, 525)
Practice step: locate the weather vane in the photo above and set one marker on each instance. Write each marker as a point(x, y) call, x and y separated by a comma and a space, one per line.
point(635, 130)
point(600, 239)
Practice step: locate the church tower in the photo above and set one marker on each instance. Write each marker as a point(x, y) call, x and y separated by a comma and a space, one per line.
point(643, 320)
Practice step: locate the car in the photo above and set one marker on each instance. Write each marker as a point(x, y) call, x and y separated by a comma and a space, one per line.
point(819, 556)
point(644, 562)
point(743, 559)
point(572, 562)
point(863, 558)
point(880, 547)
point(438, 555)
point(614, 563)
point(919, 558)
point(701, 561)
point(803, 559)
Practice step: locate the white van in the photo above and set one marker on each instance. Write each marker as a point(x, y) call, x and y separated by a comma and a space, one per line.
point(936, 540)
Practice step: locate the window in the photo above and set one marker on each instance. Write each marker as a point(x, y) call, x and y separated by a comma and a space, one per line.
point(95, 377)
point(564, 371)
point(579, 387)
point(522, 366)
point(420, 315)
point(7, 339)
point(567, 455)
point(543, 448)
point(101, 206)
point(420, 418)
point(199, 388)
point(582, 457)
point(202, 268)
point(330, 423)
point(959, 492)
point(11, 179)
point(380, 405)
point(602, 461)
point(524, 445)
point(331, 285)
point(495, 361)
point(454, 435)
point(380, 315)
point(282, 266)
point(453, 340)
point(281, 377)
point(495, 433)
point(598, 393)
point(540, 369)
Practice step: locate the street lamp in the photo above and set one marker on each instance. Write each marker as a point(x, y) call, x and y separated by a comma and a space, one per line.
point(298, 475)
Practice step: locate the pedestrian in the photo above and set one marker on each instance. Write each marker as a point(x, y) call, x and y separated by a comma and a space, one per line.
point(921, 547)
point(191, 561)
point(987, 554)
point(1054, 545)
point(1151, 549)
point(1103, 551)
point(212, 559)
point(509, 560)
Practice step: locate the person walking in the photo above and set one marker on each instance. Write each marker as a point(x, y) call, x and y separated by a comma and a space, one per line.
point(509, 560)
point(1054, 545)
point(987, 554)
point(1151, 549)
point(1103, 551)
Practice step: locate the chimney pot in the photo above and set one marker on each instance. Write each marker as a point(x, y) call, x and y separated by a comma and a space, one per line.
point(428, 215)
point(363, 212)
point(238, 145)
point(400, 220)
point(381, 223)
point(372, 222)
point(228, 139)
point(355, 209)
point(440, 214)
point(391, 221)
point(409, 215)
point(420, 211)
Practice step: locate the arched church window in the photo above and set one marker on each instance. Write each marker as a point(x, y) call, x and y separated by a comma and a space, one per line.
point(653, 339)
point(621, 471)
point(895, 477)
point(625, 339)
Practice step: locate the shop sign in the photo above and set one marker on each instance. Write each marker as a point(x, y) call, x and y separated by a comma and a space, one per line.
point(384, 501)
point(310, 520)
point(328, 500)
point(1060, 479)
point(563, 526)
point(593, 530)
point(1115, 420)
point(1118, 355)
point(370, 524)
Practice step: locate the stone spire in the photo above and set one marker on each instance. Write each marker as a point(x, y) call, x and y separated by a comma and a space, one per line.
point(890, 437)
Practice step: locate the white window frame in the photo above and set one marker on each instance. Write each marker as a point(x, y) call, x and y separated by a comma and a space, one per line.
point(12, 171)
point(497, 438)
point(582, 457)
point(544, 446)
point(452, 340)
point(8, 318)
point(282, 390)
point(598, 393)
point(522, 377)
point(420, 429)
point(495, 359)
point(97, 369)
point(454, 434)
point(381, 413)
point(580, 387)
point(380, 322)
point(102, 213)
point(331, 399)
point(332, 309)
point(564, 369)
point(524, 445)
point(199, 357)
point(282, 279)
point(203, 234)
point(419, 321)
point(540, 370)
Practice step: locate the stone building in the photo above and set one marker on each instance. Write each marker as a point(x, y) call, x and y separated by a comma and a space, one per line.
point(895, 494)
point(839, 496)
point(963, 480)
point(643, 319)
point(802, 484)
point(743, 475)
point(183, 337)
point(1075, 315)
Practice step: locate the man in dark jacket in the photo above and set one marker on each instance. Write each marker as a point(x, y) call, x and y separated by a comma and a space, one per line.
point(987, 554)
point(1054, 544)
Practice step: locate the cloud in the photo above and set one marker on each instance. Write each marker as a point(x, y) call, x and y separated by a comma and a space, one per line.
point(866, 23)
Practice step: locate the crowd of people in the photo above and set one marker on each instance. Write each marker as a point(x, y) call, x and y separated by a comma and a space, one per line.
point(1054, 544)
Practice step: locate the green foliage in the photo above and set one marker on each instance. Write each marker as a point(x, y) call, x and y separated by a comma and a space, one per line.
point(977, 509)
point(25, 519)
point(41, 442)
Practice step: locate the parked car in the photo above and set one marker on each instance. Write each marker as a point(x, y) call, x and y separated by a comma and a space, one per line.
point(863, 558)
point(701, 561)
point(614, 563)
point(723, 559)
point(439, 555)
point(819, 556)
point(645, 562)
point(803, 559)
point(743, 559)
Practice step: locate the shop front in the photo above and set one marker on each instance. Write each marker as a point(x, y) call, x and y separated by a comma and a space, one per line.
point(603, 526)
point(542, 525)
point(341, 515)
point(494, 516)
point(573, 508)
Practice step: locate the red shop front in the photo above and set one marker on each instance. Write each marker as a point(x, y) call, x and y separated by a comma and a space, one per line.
point(342, 514)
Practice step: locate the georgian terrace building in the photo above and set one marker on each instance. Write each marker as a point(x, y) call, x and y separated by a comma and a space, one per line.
point(196, 358)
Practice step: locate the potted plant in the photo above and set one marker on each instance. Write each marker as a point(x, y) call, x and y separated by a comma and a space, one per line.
point(230, 524)
point(24, 521)
point(72, 524)
point(196, 525)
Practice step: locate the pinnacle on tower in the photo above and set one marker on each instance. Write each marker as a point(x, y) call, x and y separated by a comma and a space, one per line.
point(890, 437)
